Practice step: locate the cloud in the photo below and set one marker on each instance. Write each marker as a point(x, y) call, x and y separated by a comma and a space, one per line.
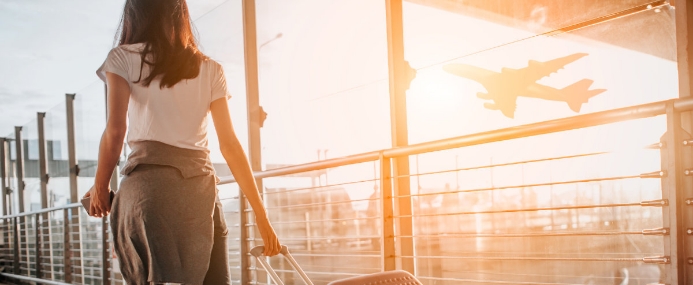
point(19, 107)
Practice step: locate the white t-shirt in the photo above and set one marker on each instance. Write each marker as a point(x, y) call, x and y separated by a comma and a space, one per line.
point(177, 115)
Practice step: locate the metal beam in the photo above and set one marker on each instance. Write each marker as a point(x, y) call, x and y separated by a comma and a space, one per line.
point(400, 75)
point(254, 124)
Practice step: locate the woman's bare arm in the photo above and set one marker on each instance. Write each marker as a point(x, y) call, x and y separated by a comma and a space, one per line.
point(235, 157)
point(111, 144)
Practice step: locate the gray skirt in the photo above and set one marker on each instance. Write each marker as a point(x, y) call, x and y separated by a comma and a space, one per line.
point(168, 228)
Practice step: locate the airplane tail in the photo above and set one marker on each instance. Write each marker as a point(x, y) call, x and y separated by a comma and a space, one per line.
point(578, 93)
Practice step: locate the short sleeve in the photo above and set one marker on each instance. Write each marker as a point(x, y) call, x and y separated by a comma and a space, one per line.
point(116, 62)
point(219, 89)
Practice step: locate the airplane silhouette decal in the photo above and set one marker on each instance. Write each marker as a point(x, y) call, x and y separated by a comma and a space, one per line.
point(503, 88)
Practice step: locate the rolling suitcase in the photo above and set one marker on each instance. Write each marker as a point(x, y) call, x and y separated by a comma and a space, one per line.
point(396, 277)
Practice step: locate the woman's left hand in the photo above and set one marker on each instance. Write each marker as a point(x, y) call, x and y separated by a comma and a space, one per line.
point(100, 205)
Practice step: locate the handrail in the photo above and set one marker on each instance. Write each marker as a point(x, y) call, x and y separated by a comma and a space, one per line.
point(32, 279)
point(46, 210)
point(541, 128)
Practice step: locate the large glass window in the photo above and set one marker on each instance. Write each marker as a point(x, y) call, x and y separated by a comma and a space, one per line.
point(485, 66)
point(323, 79)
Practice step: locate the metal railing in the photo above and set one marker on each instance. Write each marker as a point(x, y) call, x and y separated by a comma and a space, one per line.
point(335, 235)
point(555, 223)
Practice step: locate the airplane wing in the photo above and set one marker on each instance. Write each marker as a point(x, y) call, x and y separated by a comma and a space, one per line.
point(536, 70)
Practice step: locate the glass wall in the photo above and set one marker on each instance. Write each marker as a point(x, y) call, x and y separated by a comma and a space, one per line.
point(90, 122)
point(32, 190)
point(56, 150)
point(323, 79)
point(481, 69)
point(541, 202)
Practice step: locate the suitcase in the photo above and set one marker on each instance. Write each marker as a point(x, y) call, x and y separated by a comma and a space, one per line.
point(396, 277)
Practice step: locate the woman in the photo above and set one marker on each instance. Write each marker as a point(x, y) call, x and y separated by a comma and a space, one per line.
point(166, 218)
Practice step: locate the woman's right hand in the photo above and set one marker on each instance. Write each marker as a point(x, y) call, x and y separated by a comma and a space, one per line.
point(269, 237)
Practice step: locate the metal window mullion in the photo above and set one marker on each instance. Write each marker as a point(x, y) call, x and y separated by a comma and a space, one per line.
point(19, 163)
point(254, 124)
point(43, 176)
point(74, 173)
point(400, 76)
point(71, 146)
point(4, 175)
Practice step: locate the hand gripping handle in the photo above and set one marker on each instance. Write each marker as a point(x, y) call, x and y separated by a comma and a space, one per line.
point(257, 252)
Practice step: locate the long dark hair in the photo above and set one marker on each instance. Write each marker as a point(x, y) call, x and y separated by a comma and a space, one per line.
point(170, 48)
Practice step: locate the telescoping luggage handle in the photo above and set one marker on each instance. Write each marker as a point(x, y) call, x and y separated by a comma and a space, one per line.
point(257, 252)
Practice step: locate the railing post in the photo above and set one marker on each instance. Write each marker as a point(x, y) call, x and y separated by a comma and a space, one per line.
point(255, 121)
point(387, 245)
point(105, 252)
point(673, 190)
point(16, 245)
point(67, 251)
point(400, 76)
point(74, 174)
point(37, 234)
point(684, 60)
point(7, 226)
